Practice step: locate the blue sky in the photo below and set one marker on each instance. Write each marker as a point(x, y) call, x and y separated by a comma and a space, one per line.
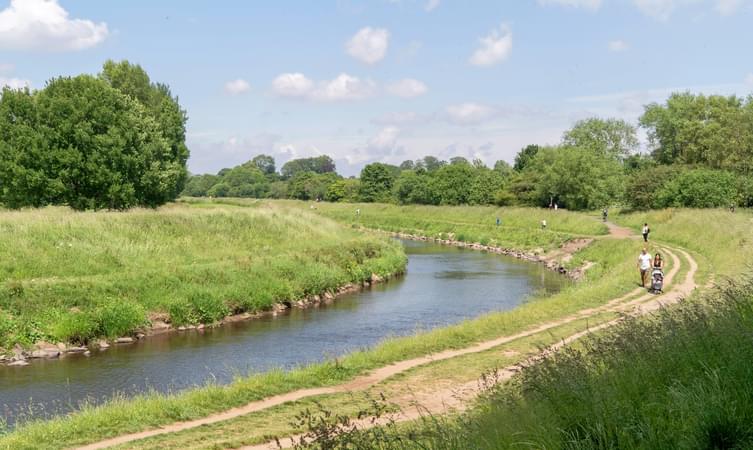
point(388, 80)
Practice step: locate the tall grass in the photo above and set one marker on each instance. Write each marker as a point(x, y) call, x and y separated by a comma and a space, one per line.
point(69, 276)
point(610, 277)
point(680, 379)
point(721, 240)
point(520, 228)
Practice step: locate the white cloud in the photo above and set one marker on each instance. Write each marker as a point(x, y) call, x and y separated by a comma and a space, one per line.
point(369, 45)
point(45, 25)
point(592, 5)
point(749, 80)
point(237, 87)
point(14, 83)
point(7, 67)
point(343, 87)
point(407, 88)
point(292, 85)
point(431, 5)
point(618, 46)
point(385, 141)
point(728, 7)
point(469, 113)
point(493, 48)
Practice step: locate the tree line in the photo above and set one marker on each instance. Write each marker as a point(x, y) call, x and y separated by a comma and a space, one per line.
point(700, 155)
point(115, 140)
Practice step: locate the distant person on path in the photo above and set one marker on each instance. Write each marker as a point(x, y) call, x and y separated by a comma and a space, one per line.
point(543, 224)
point(604, 214)
point(498, 221)
point(645, 232)
point(556, 206)
point(644, 263)
point(358, 211)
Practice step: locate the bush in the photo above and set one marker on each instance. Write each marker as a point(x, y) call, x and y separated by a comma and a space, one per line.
point(74, 326)
point(699, 188)
point(119, 318)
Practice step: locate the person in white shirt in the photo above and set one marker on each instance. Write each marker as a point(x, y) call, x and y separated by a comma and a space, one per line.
point(645, 232)
point(644, 264)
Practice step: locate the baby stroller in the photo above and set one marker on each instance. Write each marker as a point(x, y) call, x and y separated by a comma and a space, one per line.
point(657, 280)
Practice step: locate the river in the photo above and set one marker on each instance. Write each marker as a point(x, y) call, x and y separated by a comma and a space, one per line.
point(443, 285)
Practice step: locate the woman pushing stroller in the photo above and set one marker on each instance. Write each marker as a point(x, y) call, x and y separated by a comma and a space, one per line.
point(657, 274)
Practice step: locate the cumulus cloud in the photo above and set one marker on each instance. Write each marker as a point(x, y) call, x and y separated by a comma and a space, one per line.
point(431, 5)
point(45, 25)
point(493, 48)
point(469, 113)
point(369, 45)
point(341, 88)
point(292, 85)
point(237, 87)
point(384, 142)
point(618, 46)
point(407, 88)
point(592, 5)
point(14, 83)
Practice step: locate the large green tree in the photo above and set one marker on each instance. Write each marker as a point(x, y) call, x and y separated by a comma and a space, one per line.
point(82, 142)
point(715, 131)
point(524, 157)
point(318, 164)
point(612, 137)
point(577, 178)
point(158, 102)
point(377, 180)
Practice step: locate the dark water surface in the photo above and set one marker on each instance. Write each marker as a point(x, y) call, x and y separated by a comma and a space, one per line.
point(444, 285)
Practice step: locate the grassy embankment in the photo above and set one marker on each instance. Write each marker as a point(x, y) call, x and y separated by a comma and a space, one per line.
point(611, 276)
point(678, 379)
point(71, 277)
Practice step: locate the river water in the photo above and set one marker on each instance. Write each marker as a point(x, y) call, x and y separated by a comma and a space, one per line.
point(443, 285)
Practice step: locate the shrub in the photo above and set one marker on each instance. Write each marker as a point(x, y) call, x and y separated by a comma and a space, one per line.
point(699, 188)
point(119, 318)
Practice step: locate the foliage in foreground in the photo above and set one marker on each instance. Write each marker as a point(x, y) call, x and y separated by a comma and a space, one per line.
point(678, 379)
point(68, 276)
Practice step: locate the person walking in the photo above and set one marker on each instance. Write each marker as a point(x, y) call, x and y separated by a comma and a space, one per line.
point(543, 224)
point(644, 263)
point(498, 221)
point(645, 232)
point(658, 261)
point(604, 214)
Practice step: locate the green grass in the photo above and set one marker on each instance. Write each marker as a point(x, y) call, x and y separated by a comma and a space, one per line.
point(72, 276)
point(679, 379)
point(520, 228)
point(611, 276)
point(721, 241)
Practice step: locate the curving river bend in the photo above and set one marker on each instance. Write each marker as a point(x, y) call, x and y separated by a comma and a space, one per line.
point(443, 285)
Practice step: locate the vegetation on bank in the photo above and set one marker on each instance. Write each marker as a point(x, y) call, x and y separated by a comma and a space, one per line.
point(611, 276)
point(518, 229)
point(111, 141)
point(677, 379)
point(701, 148)
point(72, 277)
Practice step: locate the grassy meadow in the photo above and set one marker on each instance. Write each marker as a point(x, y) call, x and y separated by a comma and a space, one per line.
point(73, 276)
point(520, 228)
point(677, 379)
point(612, 275)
